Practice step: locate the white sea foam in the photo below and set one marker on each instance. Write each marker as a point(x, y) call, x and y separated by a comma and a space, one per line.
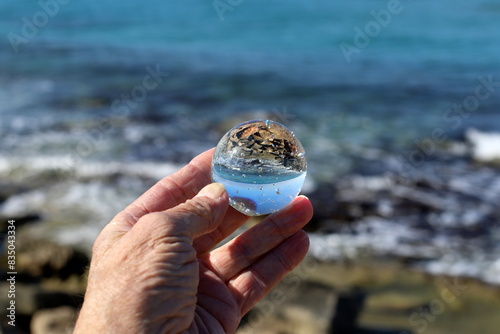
point(485, 146)
point(84, 168)
point(374, 236)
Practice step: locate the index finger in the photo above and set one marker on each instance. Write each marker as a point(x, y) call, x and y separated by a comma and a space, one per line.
point(172, 190)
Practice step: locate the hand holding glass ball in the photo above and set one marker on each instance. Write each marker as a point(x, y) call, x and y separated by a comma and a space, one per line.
point(262, 166)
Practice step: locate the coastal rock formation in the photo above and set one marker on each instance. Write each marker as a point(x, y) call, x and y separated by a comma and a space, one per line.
point(50, 283)
point(441, 214)
point(44, 259)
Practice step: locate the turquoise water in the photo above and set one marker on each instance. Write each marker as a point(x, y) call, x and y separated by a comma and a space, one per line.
point(281, 57)
point(259, 193)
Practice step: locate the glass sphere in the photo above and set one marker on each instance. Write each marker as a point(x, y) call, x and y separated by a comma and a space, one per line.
point(262, 165)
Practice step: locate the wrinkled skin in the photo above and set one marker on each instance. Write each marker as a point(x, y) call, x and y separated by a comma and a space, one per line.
point(154, 268)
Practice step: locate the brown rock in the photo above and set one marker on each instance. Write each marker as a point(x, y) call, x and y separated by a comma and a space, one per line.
point(295, 305)
point(59, 320)
point(43, 259)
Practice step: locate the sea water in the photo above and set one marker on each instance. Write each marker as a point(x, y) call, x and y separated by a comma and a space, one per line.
point(259, 192)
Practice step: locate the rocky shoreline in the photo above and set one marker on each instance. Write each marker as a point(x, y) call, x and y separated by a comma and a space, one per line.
point(373, 298)
point(49, 286)
point(389, 225)
point(441, 215)
point(363, 296)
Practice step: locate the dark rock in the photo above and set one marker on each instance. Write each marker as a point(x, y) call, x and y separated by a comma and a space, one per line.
point(347, 311)
point(22, 325)
point(323, 199)
point(9, 189)
point(382, 331)
point(33, 297)
point(295, 305)
point(44, 259)
point(52, 299)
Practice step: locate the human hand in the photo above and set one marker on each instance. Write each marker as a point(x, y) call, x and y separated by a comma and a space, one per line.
point(154, 268)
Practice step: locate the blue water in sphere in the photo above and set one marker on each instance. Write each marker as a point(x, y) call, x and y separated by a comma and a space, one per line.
point(262, 165)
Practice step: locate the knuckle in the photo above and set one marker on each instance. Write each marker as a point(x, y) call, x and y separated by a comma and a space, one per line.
point(157, 224)
point(201, 209)
point(154, 217)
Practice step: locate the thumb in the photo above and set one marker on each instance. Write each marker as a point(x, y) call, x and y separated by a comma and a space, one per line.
point(201, 214)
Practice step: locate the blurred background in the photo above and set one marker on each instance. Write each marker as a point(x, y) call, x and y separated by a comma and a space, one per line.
point(395, 102)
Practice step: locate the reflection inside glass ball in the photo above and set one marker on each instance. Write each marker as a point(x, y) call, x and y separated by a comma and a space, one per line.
point(262, 165)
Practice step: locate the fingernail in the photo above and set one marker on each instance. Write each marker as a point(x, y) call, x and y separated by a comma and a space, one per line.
point(213, 190)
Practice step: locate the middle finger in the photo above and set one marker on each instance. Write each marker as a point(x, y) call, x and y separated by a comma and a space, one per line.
point(245, 249)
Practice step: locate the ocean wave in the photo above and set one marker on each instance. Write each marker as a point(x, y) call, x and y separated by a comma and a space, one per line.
point(65, 167)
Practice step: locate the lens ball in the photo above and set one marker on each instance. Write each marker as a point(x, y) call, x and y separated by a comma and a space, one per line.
point(262, 165)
